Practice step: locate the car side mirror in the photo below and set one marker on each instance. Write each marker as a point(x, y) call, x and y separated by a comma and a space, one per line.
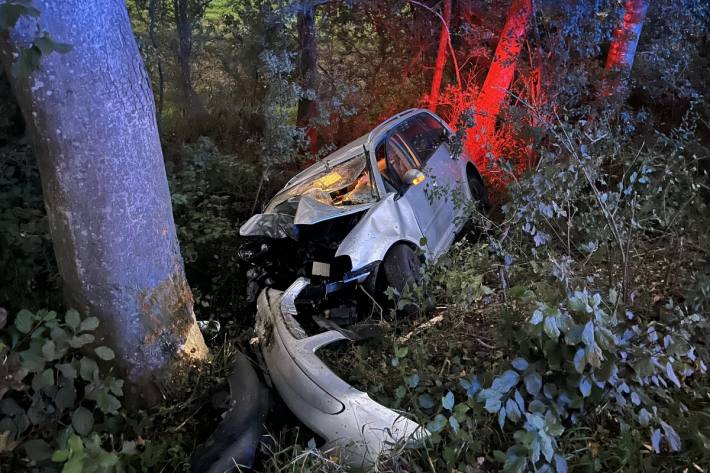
point(413, 177)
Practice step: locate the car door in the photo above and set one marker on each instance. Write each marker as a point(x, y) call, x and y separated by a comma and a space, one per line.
point(426, 138)
point(395, 157)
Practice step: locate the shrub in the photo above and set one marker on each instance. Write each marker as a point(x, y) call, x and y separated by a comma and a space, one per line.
point(599, 331)
point(59, 404)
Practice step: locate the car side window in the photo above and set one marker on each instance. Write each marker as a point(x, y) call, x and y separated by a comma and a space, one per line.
point(395, 158)
point(424, 134)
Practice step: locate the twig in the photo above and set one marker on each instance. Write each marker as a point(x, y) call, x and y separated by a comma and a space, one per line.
point(428, 324)
point(256, 197)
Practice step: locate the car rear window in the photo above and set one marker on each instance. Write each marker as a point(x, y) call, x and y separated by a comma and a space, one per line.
point(424, 134)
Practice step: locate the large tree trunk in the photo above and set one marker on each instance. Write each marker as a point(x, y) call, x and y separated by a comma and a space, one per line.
point(500, 74)
point(91, 117)
point(307, 71)
point(620, 57)
point(440, 57)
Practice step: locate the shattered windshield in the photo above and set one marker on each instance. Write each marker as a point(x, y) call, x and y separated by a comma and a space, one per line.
point(347, 183)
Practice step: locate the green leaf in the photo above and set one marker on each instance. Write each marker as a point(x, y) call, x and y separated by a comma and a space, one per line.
point(514, 464)
point(88, 369)
point(108, 403)
point(425, 401)
point(580, 360)
point(454, 424)
point(43, 380)
point(588, 334)
point(48, 350)
point(75, 464)
point(76, 445)
point(82, 420)
point(89, 324)
point(413, 381)
point(492, 405)
point(23, 321)
point(551, 328)
point(448, 401)
point(533, 383)
point(37, 450)
point(44, 43)
point(585, 386)
point(73, 319)
point(32, 361)
point(400, 392)
point(105, 353)
point(79, 341)
point(66, 397)
point(60, 456)
point(401, 352)
point(437, 424)
point(67, 370)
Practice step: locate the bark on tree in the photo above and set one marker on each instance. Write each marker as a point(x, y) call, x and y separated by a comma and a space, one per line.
point(622, 50)
point(440, 57)
point(500, 74)
point(307, 71)
point(91, 117)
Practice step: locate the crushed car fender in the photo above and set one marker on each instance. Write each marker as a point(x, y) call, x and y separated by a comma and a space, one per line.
point(388, 222)
point(354, 426)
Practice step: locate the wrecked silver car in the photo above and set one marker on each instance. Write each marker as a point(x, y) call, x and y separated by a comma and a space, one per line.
point(335, 238)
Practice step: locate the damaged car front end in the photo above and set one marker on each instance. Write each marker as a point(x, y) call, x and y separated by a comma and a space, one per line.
point(303, 226)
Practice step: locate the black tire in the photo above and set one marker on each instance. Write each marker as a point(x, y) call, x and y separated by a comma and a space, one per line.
point(478, 190)
point(401, 267)
point(479, 195)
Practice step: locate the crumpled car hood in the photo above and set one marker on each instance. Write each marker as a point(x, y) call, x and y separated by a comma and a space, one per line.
point(309, 212)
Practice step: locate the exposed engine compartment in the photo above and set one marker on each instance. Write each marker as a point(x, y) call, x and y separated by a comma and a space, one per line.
point(333, 295)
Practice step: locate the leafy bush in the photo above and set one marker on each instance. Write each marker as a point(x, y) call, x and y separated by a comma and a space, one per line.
point(591, 336)
point(59, 404)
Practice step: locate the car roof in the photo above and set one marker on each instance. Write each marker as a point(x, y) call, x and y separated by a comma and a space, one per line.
point(353, 148)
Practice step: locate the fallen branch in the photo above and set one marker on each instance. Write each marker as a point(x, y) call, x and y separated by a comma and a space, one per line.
point(420, 328)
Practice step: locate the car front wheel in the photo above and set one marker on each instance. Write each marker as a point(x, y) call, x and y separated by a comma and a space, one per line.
point(401, 267)
point(478, 192)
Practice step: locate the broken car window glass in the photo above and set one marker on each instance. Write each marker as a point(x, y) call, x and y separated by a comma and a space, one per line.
point(346, 183)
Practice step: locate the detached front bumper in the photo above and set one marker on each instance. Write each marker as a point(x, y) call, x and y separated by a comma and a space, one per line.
point(357, 428)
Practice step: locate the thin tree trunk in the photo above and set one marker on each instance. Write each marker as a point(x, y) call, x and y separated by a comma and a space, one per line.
point(440, 57)
point(500, 74)
point(91, 116)
point(153, 19)
point(622, 51)
point(308, 71)
point(183, 28)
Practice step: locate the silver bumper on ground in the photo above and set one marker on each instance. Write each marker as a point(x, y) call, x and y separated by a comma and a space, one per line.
point(357, 428)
